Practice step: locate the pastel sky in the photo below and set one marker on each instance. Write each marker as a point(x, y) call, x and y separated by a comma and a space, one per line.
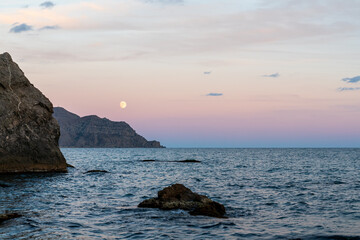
point(198, 73)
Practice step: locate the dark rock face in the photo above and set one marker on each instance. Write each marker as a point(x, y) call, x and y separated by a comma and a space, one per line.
point(95, 132)
point(177, 196)
point(28, 133)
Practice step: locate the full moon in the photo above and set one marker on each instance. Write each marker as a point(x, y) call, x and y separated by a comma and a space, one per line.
point(123, 104)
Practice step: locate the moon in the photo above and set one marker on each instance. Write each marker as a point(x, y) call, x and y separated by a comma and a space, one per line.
point(123, 104)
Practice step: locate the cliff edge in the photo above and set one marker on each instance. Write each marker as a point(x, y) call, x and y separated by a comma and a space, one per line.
point(95, 132)
point(28, 133)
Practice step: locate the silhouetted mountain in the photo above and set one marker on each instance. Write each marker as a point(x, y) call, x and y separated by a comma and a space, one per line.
point(94, 132)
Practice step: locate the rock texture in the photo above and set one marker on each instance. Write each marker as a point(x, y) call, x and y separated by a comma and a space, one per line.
point(28, 133)
point(94, 132)
point(178, 196)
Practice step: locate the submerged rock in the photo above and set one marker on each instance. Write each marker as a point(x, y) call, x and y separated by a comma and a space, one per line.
point(4, 185)
point(69, 166)
point(29, 134)
point(178, 196)
point(178, 161)
point(8, 216)
point(96, 171)
point(189, 161)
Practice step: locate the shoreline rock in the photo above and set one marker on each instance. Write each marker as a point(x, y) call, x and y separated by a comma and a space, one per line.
point(29, 134)
point(178, 196)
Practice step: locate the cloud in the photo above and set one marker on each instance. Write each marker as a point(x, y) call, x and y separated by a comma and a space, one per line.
point(206, 29)
point(21, 28)
point(207, 73)
point(165, 1)
point(274, 75)
point(352, 80)
point(341, 89)
point(214, 94)
point(47, 4)
point(54, 27)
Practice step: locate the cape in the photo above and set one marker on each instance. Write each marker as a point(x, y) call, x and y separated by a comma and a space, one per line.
point(95, 132)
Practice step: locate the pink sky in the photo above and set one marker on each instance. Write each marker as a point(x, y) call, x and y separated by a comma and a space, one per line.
point(278, 67)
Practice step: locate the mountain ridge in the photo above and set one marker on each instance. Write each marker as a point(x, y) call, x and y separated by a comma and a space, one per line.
point(94, 132)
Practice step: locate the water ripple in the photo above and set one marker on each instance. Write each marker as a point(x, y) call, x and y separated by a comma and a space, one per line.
point(268, 194)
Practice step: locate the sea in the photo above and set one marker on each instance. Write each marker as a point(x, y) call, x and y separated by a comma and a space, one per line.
point(268, 194)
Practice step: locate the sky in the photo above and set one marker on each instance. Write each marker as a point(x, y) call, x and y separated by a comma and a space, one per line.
point(198, 73)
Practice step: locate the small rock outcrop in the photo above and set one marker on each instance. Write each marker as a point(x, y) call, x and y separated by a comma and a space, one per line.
point(178, 196)
point(96, 171)
point(189, 161)
point(176, 161)
point(95, 132)
point(28, 133)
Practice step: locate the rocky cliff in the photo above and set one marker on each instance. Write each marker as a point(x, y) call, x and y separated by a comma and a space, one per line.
point(94, 132)
point(28, 133)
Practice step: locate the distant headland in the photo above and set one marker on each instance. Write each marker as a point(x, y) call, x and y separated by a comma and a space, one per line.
point(95, 132)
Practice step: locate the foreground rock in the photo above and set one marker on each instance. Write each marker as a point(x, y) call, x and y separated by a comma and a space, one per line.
point(95, 132)
point(8, 216)
point(28, 133)
point(178, 196)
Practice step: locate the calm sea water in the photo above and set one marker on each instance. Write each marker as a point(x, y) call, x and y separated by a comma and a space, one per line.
point(268, 194)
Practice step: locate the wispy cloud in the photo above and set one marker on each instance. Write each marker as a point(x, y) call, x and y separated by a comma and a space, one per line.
point(352, 80)
point(341, 89)
point(274, 75)
point(21, 28)
point(214, 94)
point(207, 73)
point(47, 4)
point(54, 27)
point(165, 1)
point(169, 33)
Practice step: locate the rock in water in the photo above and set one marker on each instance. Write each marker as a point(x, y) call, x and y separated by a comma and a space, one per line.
point(96, 171)
point(8, 216)
point(29, 134)
point(178, 196)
